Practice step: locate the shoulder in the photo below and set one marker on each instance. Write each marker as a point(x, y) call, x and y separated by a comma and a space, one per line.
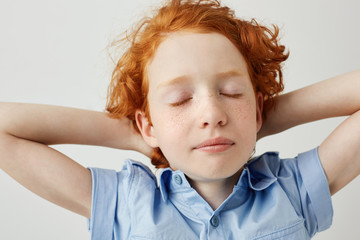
point(110, 187)
point(115, 192)
point(137, 170)
point(270, 163)
point(303, 182)
point(132, 171)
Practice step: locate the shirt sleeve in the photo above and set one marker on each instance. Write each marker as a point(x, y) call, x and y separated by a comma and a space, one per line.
point(316, 203)
point(104, 198)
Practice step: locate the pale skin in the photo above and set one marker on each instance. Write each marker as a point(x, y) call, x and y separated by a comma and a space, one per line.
point(203, 94)
point(26, 130)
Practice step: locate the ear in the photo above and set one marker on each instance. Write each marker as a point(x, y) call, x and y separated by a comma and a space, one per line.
point(259, 110)
point(146, 129)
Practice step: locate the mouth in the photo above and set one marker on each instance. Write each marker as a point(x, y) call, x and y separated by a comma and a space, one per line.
point(215, 145)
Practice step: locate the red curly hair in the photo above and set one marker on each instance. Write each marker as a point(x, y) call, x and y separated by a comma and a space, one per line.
point(258, 44)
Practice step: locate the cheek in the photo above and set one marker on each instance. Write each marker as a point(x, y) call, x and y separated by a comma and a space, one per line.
point(177, 118)
point(169, 123)
point(170, 129)
point(245, 109)
point(244, 115)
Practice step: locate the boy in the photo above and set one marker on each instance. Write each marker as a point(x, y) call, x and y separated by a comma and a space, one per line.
point(211, 108)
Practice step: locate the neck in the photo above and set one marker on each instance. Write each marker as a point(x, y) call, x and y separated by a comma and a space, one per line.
point(215, 192)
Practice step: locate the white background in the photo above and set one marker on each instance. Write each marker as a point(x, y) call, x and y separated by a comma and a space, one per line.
point(55, 52)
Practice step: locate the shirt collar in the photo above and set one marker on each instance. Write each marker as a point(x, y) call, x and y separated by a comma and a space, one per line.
point(169, 182)
point(258, 174)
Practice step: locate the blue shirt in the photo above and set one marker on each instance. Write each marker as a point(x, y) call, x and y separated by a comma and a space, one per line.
point(273, 199)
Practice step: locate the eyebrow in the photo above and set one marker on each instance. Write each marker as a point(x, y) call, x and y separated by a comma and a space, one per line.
point(231, 73)
point(220, 75)
point(174, 81)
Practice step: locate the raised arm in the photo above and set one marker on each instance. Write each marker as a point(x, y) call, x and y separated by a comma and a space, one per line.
point(338, 96)
point(27, 129)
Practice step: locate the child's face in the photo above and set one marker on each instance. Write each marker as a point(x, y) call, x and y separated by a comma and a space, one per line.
point(204, 112)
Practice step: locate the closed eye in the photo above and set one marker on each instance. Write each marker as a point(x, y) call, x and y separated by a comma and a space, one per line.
point(176, 104)
point(236, 95)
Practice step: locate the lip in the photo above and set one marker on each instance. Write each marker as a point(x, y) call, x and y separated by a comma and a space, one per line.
point(215, 145)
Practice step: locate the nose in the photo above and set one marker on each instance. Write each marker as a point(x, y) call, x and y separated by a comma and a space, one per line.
point(212, 113)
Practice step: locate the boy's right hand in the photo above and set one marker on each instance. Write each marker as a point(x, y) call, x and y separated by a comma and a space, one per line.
point(27, 129)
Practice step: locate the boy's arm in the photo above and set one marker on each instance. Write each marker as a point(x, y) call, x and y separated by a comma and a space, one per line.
point(27, 129)
point(338, 96)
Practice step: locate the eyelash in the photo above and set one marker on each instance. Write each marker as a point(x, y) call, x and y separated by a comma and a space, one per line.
point(176, 104)
point(236, 95)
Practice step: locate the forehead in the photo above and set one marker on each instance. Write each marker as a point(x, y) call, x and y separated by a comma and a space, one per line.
point(194, 54)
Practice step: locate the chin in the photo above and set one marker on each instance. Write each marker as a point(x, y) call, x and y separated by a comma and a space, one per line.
point(218, 173)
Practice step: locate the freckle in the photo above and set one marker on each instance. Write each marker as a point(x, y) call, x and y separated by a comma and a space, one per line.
point(177, 119)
